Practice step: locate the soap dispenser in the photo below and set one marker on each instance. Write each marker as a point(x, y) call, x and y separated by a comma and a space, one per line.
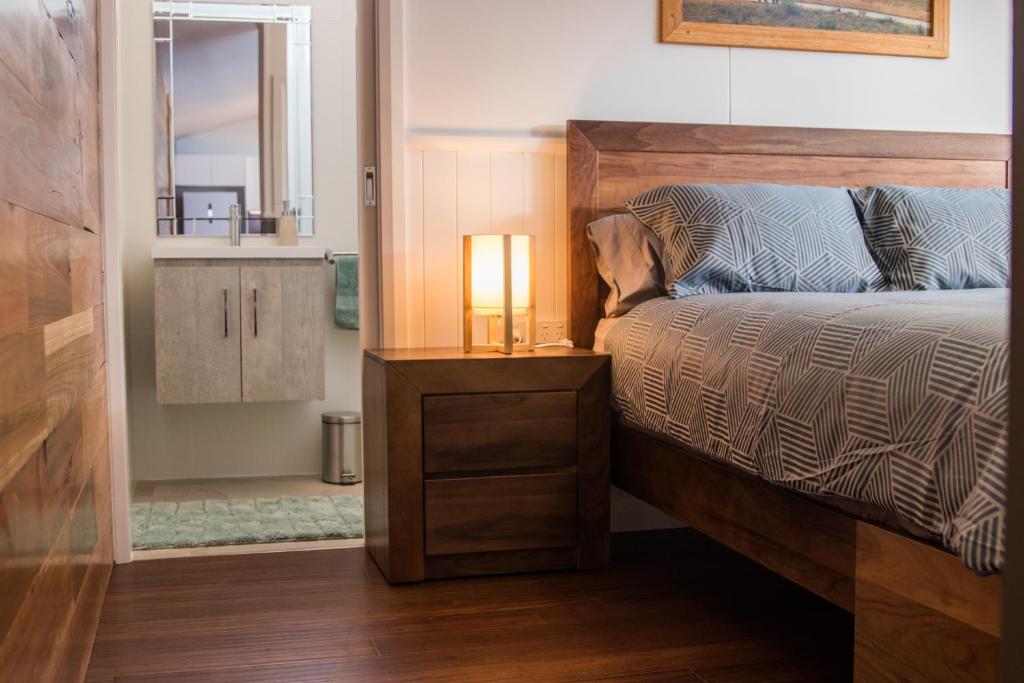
point(288, 227)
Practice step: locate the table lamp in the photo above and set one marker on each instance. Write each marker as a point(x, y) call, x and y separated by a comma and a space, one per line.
point(498, 282)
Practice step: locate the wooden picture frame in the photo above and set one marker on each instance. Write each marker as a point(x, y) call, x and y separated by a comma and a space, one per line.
point(674, 29)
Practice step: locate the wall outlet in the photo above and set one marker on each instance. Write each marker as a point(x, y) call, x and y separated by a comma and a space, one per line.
point(549, 331)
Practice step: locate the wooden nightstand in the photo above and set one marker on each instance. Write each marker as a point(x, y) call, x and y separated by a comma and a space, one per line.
point(485, 463)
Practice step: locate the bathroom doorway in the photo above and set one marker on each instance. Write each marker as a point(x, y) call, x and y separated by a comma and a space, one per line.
point(275, 102)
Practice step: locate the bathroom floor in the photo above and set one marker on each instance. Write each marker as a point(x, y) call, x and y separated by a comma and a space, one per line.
point(201, 516)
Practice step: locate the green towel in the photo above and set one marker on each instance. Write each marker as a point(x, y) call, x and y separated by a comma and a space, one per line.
point(346, 291)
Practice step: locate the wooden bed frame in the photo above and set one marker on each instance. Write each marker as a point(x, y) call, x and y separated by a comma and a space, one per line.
point(919, 613)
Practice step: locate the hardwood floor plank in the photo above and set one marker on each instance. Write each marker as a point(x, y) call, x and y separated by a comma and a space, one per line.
point(671, 607)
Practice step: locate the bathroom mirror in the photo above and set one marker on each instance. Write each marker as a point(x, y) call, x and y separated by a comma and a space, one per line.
point(233, 116)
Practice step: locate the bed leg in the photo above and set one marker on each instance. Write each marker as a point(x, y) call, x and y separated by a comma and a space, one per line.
point(919, 615)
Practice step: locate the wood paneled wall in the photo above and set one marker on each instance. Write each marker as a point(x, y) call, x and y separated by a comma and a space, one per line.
point(55, 516)
point(461, 186)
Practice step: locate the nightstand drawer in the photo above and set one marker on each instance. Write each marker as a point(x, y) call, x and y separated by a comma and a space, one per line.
point(489, 432)
point(488, 514)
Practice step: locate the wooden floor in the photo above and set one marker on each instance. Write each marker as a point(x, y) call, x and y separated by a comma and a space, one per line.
point(674, 607)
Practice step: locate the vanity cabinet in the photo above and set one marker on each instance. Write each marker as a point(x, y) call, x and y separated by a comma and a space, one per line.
point(282, 332)
point(238, 331)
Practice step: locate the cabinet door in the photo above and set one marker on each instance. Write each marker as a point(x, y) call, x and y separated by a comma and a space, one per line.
point(198, 351)
point(282, 332)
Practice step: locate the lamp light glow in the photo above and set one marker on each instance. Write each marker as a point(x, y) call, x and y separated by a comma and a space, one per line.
point(499, 282)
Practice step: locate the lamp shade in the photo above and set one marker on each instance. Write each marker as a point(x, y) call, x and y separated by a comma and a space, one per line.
point(487, 269)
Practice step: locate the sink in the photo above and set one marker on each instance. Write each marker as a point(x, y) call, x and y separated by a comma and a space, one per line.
point(224, 251)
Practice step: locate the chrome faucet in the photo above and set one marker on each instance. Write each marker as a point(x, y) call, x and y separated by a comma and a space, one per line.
point(235, 224)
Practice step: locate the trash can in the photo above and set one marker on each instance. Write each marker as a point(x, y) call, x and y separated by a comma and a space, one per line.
point(341, 460)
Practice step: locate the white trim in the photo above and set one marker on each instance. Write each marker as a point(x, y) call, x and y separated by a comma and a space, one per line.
point(417, 142)
point(248, 549)
point(226, 11)
point(391, 166)
point(117, 392)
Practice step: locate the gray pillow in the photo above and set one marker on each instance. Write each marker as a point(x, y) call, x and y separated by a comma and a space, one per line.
point(629, 259)
point(758, 238)
point(928, 238)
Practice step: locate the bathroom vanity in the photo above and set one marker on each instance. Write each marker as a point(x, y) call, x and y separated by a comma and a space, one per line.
point(239, 324)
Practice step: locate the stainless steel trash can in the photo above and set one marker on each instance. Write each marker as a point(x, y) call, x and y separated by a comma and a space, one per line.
point(341, 460)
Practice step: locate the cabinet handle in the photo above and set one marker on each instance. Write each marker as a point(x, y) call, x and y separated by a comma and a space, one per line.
point(255, 314)
point(225, 313)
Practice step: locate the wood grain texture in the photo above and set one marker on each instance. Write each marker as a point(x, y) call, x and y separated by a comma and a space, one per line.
point(687, 138)
point(594, 429)
point(586, 288)
point(41, 168)
point(480, 415)
point(500, 562)
point(672, 603)
point(934, 45)
point(450, 371)
point(799, 539)
point(282, 331)
point(198, 332)
point(375, 461)
point(928, 576)
point(610, 162)
point(625, 175)
point(487, 514)
point(920, 615)
point(393, 471)
point(480, 432)
point(900, 640)
point(55, 516)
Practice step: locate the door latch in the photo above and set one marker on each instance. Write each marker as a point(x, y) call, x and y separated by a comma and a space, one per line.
point(369, 186)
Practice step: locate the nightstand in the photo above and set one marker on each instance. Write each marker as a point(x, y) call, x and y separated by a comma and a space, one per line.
point(485, 463)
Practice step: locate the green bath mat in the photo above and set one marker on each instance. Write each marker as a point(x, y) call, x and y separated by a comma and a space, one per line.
point(245, 520)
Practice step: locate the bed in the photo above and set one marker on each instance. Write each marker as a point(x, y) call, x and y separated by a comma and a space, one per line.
point(919, 575)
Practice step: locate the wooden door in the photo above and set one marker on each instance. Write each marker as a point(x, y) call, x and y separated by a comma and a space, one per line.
point(198, 352)
point(282, 331)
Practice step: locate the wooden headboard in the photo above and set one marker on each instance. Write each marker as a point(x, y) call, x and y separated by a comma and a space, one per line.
point(610, 162)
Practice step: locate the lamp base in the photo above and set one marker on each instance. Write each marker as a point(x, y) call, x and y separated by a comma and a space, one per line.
point(497, 348)
point(501, 334)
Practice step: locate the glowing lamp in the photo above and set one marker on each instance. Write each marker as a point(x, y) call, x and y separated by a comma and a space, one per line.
point(498, 283)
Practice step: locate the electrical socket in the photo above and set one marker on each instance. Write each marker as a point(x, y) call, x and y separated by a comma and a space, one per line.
point(550, 331)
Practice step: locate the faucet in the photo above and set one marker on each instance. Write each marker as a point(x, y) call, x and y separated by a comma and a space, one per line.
point(235, 224)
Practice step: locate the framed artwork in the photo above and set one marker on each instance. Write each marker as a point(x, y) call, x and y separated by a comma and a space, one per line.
point(911, 28)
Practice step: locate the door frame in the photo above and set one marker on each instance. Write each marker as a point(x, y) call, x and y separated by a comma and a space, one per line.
point(114, 319)
point(371, 138)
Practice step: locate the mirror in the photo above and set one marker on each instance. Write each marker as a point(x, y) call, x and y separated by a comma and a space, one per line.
point(233, 117)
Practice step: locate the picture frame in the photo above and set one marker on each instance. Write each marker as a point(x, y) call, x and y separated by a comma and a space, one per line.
point(852, 26)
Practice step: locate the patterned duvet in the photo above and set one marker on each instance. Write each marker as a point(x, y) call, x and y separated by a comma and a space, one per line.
point(897, 399)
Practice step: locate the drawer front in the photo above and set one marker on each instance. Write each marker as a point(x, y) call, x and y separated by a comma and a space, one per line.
point(486, 514)
point(488, 432)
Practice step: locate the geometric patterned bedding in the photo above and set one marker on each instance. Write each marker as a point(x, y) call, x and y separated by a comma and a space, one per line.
point(896, 399)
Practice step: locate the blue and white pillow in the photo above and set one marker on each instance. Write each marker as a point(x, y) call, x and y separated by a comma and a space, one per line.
point(758, 238)
point(937, 238)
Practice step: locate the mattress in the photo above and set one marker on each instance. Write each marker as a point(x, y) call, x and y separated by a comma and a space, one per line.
point(898, 400)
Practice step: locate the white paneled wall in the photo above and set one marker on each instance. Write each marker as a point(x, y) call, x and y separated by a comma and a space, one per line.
point(462, 186)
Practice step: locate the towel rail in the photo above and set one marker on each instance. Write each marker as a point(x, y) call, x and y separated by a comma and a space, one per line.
point(331, 254)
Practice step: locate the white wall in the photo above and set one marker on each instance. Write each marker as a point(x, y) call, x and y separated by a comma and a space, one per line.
point(171, 442)
point(489, 81)
point(522, 67)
